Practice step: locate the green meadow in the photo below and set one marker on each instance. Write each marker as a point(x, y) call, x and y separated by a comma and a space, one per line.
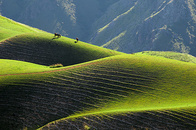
point(95, 88)
point(10, 28)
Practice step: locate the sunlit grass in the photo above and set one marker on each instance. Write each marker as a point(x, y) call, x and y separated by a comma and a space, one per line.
point(92, 82)
point(172, 86)
point(10, 28)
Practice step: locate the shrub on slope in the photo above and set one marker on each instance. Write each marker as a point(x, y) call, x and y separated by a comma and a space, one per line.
point(45, 49)
point(125, 91)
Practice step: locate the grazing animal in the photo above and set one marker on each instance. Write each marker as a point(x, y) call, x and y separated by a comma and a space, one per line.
point(57, 35)
point(76, 40)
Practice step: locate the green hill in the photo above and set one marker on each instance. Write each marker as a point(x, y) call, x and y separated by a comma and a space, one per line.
point(17, 67)
point(10, 28)
point(139, 92)
point(43, 48)
point(136, 91)
point(32, 45)
point(171, 55)
point(96, 89)
point(116, 24)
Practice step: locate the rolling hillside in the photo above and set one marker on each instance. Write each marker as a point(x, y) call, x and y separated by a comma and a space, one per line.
point(45, 49)
point(128, 26)
point(32, 45)
point(171, 55)
point(10, 28)
point(97, 88)
point(153, 91)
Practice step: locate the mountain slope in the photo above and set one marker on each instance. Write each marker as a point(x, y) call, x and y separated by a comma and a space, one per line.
point(164, 25)
point(67, 17)
point(124, 25)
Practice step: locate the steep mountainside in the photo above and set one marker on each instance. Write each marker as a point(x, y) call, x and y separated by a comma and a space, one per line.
point(72, 18)
point(124, 25)
point(137, 25)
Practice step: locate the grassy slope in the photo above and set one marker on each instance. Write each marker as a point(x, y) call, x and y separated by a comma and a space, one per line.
point(18, 67)
point(163, 85)
point(141, 91)
point(10, 28)
point(115, 85)
point(171, 55)
point(43, 48)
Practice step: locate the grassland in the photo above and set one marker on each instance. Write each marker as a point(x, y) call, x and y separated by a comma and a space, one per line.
point(171, 55)
point(10, 28)
point(136, 86)
point(96, 88)
point(18, 67)
point(44, 49)
point(115, 88)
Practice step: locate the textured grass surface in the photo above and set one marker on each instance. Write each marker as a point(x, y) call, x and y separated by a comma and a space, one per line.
point(113, 89)
point(97, 89)
point(45, 49)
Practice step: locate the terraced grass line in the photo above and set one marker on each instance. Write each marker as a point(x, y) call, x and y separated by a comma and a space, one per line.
point(162, 117)
point(42, 92)
point(75, 88)
point(187, 113)
point(101, 122)
point(147, 124)
point(171, 115)
point(148, 117)
point(115, 73)
point(112, 76)
point(76, 91)
point(99, 86)
point(91, 120)
point(176, 116)
point(85, 84)
point(122, 71)
point(27, 52)
point(185, 116)
point(131, 83)
point(68, 86)
point(142, 120)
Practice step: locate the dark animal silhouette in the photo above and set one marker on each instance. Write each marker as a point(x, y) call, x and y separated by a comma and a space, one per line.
point(57, 35)
point(76, 40)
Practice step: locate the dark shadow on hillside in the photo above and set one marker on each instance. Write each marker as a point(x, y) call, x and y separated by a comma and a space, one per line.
point(55, 38)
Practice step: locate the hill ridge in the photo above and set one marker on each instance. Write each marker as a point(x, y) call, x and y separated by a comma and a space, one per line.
point(94, 80)
point(43, 48)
